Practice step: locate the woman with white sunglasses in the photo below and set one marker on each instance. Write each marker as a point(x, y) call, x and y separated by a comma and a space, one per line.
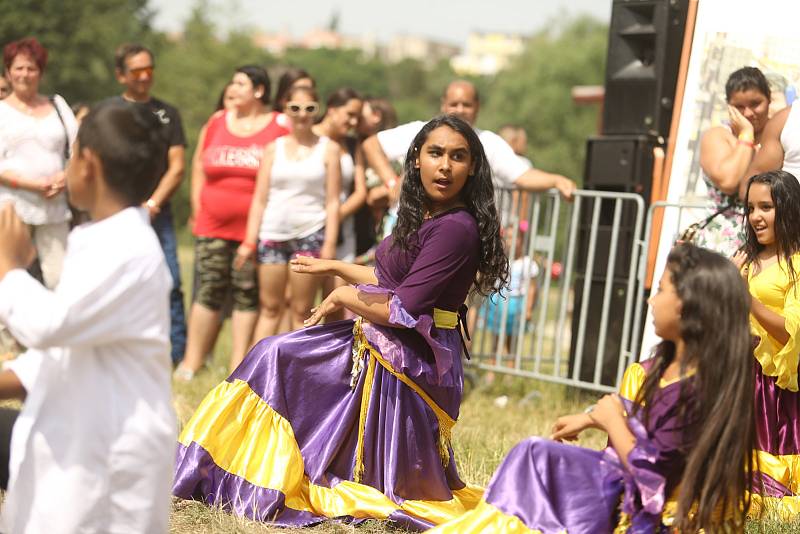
point(295, 212)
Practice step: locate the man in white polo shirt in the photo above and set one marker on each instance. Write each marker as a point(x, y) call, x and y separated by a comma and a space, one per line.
point(461, 99)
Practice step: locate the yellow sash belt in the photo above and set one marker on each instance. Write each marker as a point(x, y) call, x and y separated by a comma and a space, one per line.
point(442, 319)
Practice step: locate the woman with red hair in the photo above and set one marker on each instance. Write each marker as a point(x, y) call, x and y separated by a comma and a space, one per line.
point(35, 135)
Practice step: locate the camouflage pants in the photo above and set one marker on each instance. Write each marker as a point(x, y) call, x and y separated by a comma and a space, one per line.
point(214, 261)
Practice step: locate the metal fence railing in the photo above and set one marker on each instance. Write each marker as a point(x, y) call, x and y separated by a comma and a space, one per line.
point(682, 214)
point(572, 308)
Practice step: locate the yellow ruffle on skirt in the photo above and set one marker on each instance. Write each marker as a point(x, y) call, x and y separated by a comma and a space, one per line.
point(247, 438)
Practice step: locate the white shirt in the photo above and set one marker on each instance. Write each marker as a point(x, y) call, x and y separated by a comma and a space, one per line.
point(94, 446)
point(506, 165)
point(790, 140)
point(33, 147)
point(346, 250)
point(521, 271)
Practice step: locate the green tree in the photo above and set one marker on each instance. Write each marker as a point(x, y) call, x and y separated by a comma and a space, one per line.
point(191, 73)
point(80, 36)
point(333, 69)
point(534, 92)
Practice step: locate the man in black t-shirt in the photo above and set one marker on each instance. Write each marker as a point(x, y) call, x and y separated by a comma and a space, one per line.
point(134, 70)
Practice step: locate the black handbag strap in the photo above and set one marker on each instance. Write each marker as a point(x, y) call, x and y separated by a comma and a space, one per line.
point(730, 205)
point(67, 148)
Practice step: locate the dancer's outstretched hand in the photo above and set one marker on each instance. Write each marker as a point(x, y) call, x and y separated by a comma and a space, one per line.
point(309, 265)
point(330, 305)
point(569, 426)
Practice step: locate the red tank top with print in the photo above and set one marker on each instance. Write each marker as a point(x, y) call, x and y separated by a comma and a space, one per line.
point(230, 164)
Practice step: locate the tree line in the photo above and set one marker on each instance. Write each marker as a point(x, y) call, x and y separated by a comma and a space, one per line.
point(533, 92)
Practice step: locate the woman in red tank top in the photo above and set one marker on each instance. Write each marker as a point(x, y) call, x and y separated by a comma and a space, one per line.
point(224, 169)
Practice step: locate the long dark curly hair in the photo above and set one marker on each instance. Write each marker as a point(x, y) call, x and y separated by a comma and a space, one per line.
point(477, 195)
point(785, 191)
point(718, 420)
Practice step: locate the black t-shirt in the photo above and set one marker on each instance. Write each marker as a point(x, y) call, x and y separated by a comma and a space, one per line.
point(169, 117)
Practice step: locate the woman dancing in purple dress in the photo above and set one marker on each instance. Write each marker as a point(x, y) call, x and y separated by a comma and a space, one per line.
point(691, 426)
point(352, 419)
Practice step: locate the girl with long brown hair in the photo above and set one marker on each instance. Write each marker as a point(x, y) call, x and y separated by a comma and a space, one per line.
point(684, 420)
point(770, 259)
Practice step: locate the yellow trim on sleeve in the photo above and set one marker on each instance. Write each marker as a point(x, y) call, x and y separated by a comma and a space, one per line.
point(632, 381)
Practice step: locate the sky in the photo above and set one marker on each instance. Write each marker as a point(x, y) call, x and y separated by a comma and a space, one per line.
point(448, 21)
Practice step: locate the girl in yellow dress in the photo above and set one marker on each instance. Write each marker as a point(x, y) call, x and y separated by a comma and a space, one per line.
point(769, 262)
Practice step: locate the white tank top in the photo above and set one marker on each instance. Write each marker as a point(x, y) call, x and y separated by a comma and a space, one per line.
point(296, 203)
point(346, 250)
point(790, 139)
point(348, 174)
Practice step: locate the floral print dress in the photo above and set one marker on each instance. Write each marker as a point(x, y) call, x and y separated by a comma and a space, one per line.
point(725, 232)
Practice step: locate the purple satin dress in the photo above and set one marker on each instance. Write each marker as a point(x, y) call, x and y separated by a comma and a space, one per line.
point(553, 487)
point(278, 440)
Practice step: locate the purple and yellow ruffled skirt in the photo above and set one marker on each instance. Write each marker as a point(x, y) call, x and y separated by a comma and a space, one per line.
point(777, 449)
point(287, 439)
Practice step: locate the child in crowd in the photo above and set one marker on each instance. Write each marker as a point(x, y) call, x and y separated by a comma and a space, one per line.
point(93, 448)
point(770, 260)
point(521, 291)
point(690, 425)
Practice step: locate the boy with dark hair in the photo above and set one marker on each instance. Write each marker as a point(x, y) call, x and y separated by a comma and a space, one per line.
point(134, 66)
point(93, 448)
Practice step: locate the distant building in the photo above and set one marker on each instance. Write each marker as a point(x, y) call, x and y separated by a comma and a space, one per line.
point(425, 50)
point(399, 47)
point(319, 38)
point(487, 53)
point(274, 43)
point(277, 43)
point(366, 43)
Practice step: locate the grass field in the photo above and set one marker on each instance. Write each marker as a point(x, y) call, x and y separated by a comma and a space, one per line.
point(486, 431)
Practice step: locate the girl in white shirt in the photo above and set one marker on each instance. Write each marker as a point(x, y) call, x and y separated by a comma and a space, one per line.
point(341, 118)
point(93, 448)
point(295, 211)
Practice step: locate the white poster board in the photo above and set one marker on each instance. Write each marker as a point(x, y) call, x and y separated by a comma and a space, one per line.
point(728, 35)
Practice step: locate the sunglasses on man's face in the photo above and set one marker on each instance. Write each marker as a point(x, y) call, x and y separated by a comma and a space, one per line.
point(137, 73)
point(295, 108)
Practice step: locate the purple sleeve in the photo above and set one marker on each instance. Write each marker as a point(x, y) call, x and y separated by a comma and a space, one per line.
point(446, 250)
point(656, 456)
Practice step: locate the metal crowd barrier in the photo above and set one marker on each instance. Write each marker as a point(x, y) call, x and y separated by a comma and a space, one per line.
point(683, 220)
point(551, 346)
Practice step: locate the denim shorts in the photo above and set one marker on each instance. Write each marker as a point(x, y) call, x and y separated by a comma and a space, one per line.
point(494, 314)
point(280, 252)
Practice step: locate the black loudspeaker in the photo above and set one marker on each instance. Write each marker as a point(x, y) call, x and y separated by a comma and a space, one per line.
point(620, 164)
point(644, 49)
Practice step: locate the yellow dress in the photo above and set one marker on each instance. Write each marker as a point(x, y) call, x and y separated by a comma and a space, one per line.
point(777, 401)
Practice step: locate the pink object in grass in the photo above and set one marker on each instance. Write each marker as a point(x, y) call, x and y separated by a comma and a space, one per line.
point(556, 270)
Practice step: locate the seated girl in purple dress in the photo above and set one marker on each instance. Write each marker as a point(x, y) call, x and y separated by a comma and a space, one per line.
point(352, 419)
point(690, 425)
